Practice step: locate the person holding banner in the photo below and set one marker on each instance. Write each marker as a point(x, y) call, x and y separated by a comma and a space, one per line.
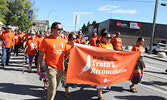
point(71, 41)
point(117, 42)
point(138, 72)
point(105, 43)
point(100, 35)
point(80, 39)
point(54, 47)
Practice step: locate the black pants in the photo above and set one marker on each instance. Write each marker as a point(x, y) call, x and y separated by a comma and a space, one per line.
point(36, 58)
point(16, 49)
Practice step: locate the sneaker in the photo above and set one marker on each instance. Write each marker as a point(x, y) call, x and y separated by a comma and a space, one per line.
point(7, 64)
point(3, 65)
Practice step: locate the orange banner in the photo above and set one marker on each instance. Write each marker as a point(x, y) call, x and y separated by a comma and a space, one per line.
point(98, 66)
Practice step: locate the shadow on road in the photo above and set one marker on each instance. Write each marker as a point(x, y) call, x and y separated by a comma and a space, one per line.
point(85, 93)
point(156, 72)
point(154, 83)
point(18, 70)
point(20, 89)
point(131, 97)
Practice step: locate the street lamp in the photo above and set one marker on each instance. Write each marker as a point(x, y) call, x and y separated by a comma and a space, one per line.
point(154, 20)
point(50, 12)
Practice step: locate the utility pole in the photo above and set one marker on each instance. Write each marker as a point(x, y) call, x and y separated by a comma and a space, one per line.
point(76, 23)
point(153, 30)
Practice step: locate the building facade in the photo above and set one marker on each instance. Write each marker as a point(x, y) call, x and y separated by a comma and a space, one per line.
point(131, 30)
point(40, 25)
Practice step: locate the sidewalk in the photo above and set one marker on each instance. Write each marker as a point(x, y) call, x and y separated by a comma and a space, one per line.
point(153, 56)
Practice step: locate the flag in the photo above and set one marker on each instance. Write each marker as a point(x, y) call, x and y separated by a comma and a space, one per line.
point(30, 14)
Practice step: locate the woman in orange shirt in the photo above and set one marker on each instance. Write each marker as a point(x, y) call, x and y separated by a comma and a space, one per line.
point(71, 41)
point(105, 43)
point(138, 72)
point(31, 46)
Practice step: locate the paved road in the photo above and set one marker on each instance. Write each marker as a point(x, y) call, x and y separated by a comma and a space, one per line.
point(16, 85)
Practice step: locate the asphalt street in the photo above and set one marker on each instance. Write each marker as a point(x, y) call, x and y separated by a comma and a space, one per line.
point(18, 85)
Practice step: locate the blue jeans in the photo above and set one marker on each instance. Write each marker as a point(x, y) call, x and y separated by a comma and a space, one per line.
point(6, 55)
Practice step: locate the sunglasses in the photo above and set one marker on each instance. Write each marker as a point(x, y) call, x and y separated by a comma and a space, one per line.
point(108, 38)
point(59, 29)
point(74, 38)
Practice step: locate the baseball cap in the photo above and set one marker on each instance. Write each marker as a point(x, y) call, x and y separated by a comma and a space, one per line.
point(9, 26)
point(32, 33)
point(118, 33)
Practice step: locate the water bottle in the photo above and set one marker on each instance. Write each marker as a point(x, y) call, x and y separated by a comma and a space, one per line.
point(4, 43)
point(27, 60)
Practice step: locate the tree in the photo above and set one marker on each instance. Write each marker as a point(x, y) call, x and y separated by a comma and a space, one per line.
point(17, 15)
point(94, 22)
point(3, 10)
point(84, 28)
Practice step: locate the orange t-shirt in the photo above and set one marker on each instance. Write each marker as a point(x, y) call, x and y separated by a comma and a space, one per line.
point(54, 50)
point(21, 37)
point(117, 43)
point(26, 37)
point(17, 39)
point(82, 41)
point(139, 48)
point(40, 39)
point(93, 41)
point(31, 46)
point(106, 46)
point(99, 37)
point(8, 38)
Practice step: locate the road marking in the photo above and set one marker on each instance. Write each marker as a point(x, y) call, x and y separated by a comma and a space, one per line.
point(155, 89)
point(155, 68)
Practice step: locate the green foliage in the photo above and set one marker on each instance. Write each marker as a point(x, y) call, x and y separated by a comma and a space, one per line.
point(16, 13)
point(85, 28)
point(3, 10)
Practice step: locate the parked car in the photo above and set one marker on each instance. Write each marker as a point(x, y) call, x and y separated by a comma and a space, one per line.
point(157, 47)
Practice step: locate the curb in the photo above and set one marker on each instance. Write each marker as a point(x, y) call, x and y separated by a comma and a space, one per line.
point(156, 58)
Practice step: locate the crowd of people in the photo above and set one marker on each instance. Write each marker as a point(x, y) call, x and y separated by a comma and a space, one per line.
point(51, 52)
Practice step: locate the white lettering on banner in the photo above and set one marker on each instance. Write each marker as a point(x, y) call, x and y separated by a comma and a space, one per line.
point(104, 64)
point(114, 71)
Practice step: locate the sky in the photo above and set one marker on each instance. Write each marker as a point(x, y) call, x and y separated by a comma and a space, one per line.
point(98, 10)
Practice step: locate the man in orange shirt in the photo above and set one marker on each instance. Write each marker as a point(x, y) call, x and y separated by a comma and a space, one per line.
point(117, 42)
point(54, 47)
point(93, 39)
point(80, 40)
point(39, 37)
point(7, 44)
point(17, 42)
point(21, 34)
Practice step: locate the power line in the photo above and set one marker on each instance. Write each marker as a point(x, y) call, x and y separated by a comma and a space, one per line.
point(132, 1)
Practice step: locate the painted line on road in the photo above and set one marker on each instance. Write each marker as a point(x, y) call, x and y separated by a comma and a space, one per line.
point(155, 89)
point(155, 68)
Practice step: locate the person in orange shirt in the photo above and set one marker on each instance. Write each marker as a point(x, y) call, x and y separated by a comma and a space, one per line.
point(99, 36)
point(31, 46)
point(21, 34)
point(93, 39)
point(54, 47)
point(39, 37)
point(71, 41)
point(138, 71)
point(117, 42)
point(80, 40)
point(17, 42)
point(105, 43)
point(7, 45)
